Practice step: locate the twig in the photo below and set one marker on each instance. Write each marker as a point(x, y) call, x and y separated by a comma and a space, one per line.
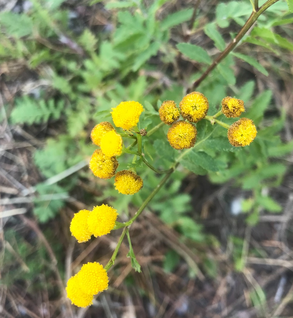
point(249, 23)
point(191, 23)
point(12, 212)
point(283, 304)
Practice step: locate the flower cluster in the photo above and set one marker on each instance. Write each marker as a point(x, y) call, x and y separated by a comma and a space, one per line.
point(89, 281)
point(193, 108)
point(103, 162)
point(100, 221)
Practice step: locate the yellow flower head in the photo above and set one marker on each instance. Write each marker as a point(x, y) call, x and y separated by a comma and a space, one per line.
point(169, 112)
point(127, 182)
point(232, 107)
point(102, 220)
point(242, 132)
point(99, 131)
point(76, 295)
point(93, 278)
point(194, 107)
point(182, 135)
point(78, 226)
point(126, 114)
point(103, 166)
point(111, 144)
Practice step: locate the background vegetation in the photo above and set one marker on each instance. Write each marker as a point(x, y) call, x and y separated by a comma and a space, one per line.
point(215, 243)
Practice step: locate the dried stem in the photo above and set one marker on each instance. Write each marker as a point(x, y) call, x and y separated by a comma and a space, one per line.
point(253, 17)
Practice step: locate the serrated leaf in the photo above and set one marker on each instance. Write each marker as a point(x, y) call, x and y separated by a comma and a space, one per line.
point(246, 91)
point(269, 204)
point(252, 61)
point(290, 5)
point(204, 160)
point(191, 166)
point(194, 52)
point(175, 19)
point(88, 40)
point(164, 150)
point(18, 25)
point(211, 31)
point(30, 111)
point(280, 150)
point(146, 55)
point(220, 144)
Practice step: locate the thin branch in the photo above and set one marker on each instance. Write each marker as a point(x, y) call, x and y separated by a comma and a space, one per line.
point(249, 23)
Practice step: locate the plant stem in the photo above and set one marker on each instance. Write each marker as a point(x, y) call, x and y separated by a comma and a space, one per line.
point(113, 258)
point(217, 114)
point(213, 121)
point(256, 5)
point(153, 130)
point(149, 198)
point(253, 17)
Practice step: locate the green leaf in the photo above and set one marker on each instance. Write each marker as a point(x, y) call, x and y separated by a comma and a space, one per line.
point(145, 55)
point(219, 144)
point(290, 5)
point(194, 52)
point(259, 105)
point(175, 19)
point(134, 263)
point(280, 150)
point(227, 73)
point(246, 91)
point(204, 160)
point(191, 229)
point(191, 166)
point(54, 4)
point(269, 204)
point(88, 40)
point(246, 205)
point(252, 61)
point(211, 31)
point(164, 150)
point(30, 111)
point(272, 38)
point(18, 25)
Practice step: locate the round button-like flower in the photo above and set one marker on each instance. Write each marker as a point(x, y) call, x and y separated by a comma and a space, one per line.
point(99, 131)
point(194, 107)
point(182, 135)
point(168, 112)
point(127, 182)
point(93, 278)
point(232, 107)
point(76, 295)
point(78, 226)
point(242, 132)
point(102, 220)
point(103, 166)
point(111, 144)
point(126, 114)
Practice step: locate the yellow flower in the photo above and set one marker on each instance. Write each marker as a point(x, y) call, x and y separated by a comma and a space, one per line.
point(232, 107)
point(102, 220)
point(99, 131)
point(127, 182)
point(93, 278)
point(111, 144)
point(194, 107)
point(126, 114)
point(103, 166)
point(242, 132)
point(169, 112)
point(78, 226)
point(182, 135)
point(76, 295)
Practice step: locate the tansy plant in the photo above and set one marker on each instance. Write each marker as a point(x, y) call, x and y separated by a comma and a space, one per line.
point(182, 134)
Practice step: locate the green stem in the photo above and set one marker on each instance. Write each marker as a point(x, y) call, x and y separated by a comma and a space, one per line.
point(222, 124)
point(249, 23)
point(153, 130)
point(218, 114)
point(113, 258)
point(149, 198)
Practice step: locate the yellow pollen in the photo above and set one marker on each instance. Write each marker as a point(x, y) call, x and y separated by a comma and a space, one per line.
point(103, 166)
point(127, 182)
point(182, 135)
point(242, 132)
point(232, 107)
point(78, 226)
point(194, 107)
point(168, 112)
point(99, 131)
point(111, 144)
point(76, 295)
